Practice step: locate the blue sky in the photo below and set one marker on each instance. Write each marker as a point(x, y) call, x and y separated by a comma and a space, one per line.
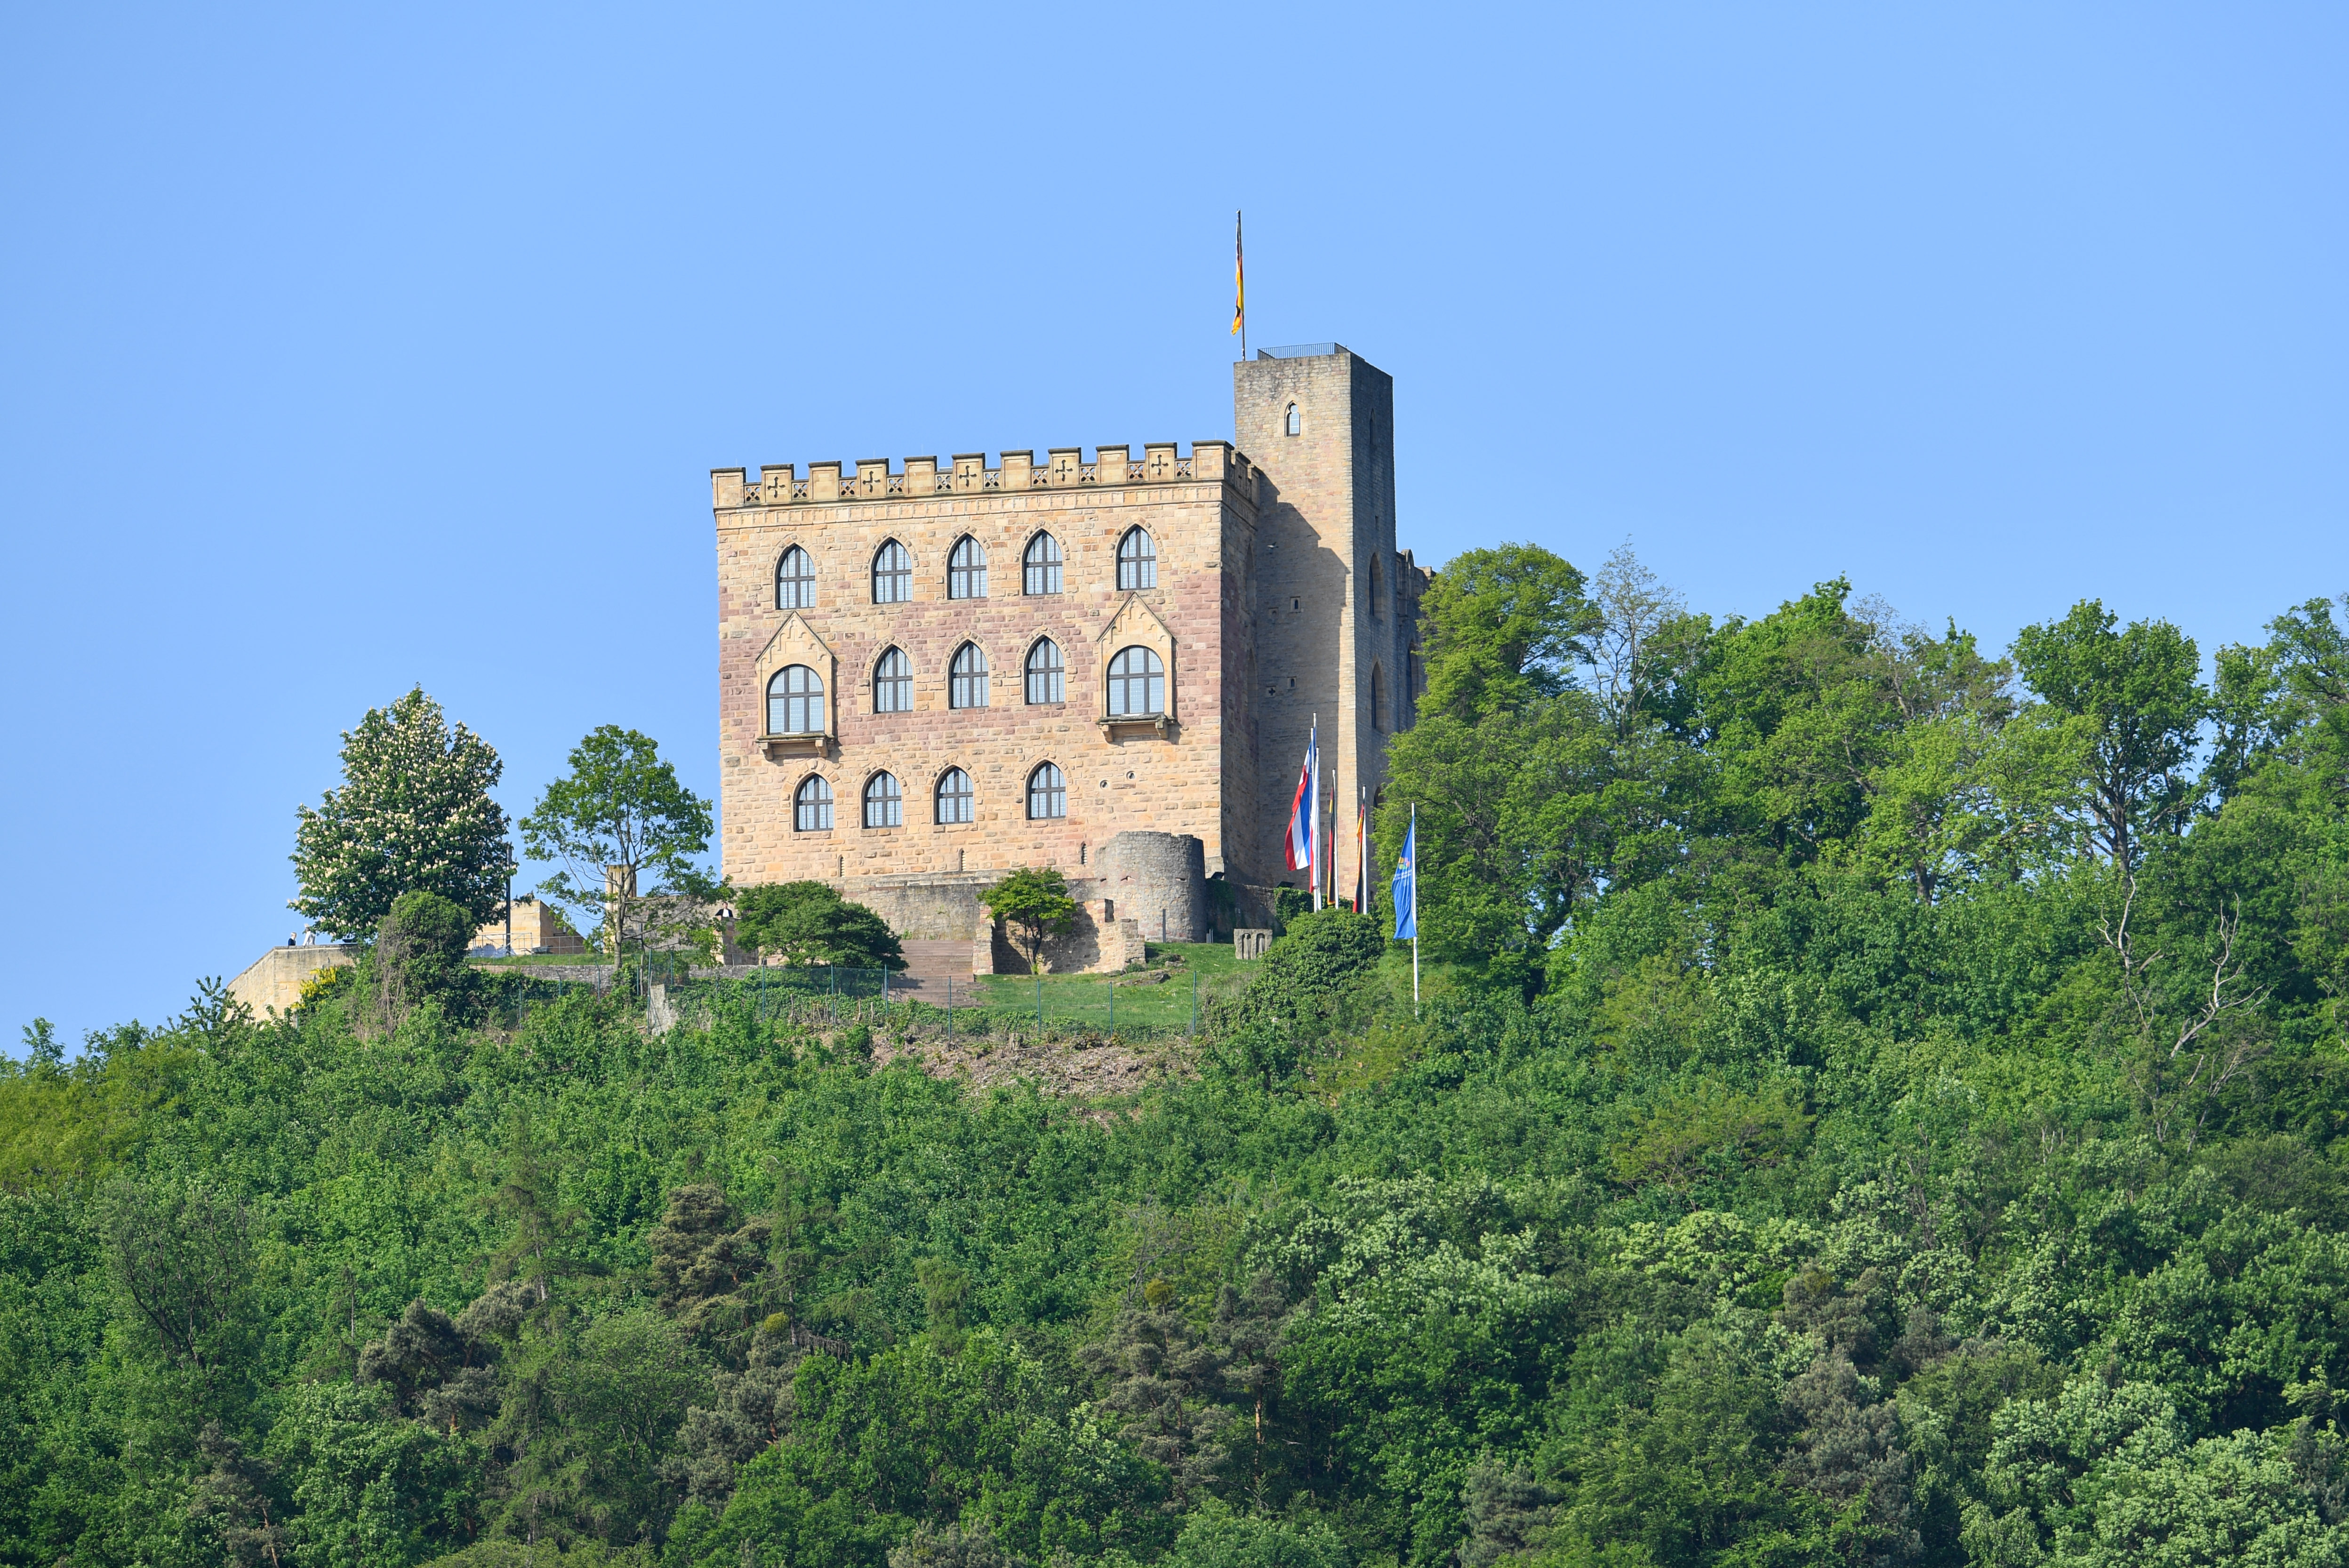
point(349, 350)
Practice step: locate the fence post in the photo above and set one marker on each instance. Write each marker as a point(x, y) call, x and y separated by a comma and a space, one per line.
point(1113, 1005)
point(1194, 1003)
point(1039, 1004)
point(949, 1012)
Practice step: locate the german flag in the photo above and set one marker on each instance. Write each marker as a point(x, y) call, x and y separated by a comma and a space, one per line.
point(1239, 279)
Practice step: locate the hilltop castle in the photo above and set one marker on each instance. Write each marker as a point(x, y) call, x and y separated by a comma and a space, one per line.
point(931, 676)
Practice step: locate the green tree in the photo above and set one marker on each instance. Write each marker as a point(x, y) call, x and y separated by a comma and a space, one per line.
point(1504, 626)
point(1033, 904)
point(419, 955)
point(2137, 700)
point(619, 819)
point(810, 922)
point(414, 813)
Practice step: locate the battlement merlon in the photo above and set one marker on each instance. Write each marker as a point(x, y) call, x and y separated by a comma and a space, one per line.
point(967, 473)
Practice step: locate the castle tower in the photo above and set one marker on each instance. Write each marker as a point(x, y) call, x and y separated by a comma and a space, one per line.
point(1337, 605)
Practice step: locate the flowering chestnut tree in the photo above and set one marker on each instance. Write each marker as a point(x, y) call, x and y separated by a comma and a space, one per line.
point(414, 813)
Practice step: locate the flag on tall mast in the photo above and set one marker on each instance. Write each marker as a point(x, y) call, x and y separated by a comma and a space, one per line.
point(1239, 286)
point(1304, 836)
point(1406, 901)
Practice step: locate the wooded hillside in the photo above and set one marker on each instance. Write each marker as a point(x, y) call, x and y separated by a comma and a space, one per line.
point(1875, 1104)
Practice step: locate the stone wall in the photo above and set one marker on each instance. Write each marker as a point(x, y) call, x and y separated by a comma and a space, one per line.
point(1161, 880)
point(1281, 596)
point(537, 928)
point(274, 979)
point(1340, 605)
point(1169, 778)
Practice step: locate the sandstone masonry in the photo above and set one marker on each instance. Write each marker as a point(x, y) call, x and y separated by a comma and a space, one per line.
point(1273, 592)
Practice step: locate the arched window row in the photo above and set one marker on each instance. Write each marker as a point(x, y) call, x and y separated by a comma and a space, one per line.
point(1045, 669)
point(1041, 564)
point(954, 800)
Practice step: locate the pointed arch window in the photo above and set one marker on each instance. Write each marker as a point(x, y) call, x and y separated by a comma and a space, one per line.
point(1137, 685)
point(795, 581)
point(967, 570)
point(1378, 698)
point(884, 803)
point(892, 682)
point(795, 702)
point(892, 574)
point(1047, 674)
point(1040, 569)
point(1048, 794)
point(955, 797)
point(811, 805)
point(967, 680)
point(1137, 561)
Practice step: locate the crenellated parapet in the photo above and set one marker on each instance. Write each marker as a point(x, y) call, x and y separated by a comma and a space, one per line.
point(967, 473)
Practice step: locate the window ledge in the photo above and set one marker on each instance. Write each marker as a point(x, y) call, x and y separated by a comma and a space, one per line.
point(776, 745)
point(1159, 722)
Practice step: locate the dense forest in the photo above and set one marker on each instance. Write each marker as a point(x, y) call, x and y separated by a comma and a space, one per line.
point(1875, 1100)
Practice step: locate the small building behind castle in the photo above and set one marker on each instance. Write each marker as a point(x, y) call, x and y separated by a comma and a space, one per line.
point(933, 673)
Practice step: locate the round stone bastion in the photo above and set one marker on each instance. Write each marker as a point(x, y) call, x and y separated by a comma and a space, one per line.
point(1156, 878)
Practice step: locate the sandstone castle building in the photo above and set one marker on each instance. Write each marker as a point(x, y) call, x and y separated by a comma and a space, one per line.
point(932, 674)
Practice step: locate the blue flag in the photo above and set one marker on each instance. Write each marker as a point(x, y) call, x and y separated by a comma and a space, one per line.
point(1406, 885)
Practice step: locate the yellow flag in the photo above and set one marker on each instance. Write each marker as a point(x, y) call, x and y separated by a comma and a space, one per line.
point(1239, 278)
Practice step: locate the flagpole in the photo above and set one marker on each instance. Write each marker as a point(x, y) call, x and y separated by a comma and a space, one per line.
point(1415, 909)
point(1317, 852)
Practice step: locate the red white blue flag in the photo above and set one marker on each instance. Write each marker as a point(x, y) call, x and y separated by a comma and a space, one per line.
point(1304, 811)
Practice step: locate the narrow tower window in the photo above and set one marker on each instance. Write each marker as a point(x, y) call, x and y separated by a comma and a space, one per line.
point(1295, 424)
point(1046, 674)
point(1378, 698)
point(1137, 561)
point(967, 570)
point(967, 684)
point(892, 574)
point(795, 702)
point(1378, 590)
point(954, 796)
point(795, 581)
point(1043, 565)
point(892, 682)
